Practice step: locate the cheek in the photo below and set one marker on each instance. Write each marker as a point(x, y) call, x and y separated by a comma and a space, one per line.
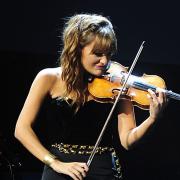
point(86, 63)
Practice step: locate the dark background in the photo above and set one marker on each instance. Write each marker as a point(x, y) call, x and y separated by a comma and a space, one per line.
point(30, 41)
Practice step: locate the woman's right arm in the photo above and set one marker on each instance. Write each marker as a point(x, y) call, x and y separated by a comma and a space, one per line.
point(24, 132)
point(40, 87)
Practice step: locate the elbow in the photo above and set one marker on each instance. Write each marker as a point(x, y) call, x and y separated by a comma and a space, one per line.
point(22, 130)
point(126, 143)
point(17, 132)
point(126, 146)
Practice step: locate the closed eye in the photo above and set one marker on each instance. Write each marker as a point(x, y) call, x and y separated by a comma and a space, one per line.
point(99, 54)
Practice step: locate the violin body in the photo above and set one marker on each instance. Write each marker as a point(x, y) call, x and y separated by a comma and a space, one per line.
point(106, 88)
point(102, 89)
point(139, 97)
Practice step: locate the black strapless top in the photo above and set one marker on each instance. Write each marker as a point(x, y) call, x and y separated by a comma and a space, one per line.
point(82, 127)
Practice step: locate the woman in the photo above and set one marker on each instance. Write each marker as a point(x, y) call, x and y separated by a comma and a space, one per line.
point(88, 43)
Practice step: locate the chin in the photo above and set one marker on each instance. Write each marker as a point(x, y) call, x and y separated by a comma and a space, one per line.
point(98, 73)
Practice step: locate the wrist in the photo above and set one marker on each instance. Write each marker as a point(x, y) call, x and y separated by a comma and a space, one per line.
point(49, 159)
point(152, 119)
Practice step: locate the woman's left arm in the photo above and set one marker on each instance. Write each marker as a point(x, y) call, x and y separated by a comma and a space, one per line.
point(129, 133)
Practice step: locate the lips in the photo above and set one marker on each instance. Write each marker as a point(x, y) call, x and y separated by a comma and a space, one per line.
point(100, 67)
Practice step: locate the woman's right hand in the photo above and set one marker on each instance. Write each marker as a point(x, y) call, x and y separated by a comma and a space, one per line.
point(76, 170)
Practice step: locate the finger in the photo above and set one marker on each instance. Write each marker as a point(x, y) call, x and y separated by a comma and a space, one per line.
point(164, 96)
point(77, 173)
point(167, 100)
point(161, 96)
point(71, 174)
point(150, 98)
point(81, 170)
point(84, 166)
point(153, 95)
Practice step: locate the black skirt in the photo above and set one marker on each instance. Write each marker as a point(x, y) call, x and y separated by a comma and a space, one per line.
point(101, 167)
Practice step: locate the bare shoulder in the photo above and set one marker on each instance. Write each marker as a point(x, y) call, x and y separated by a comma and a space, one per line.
point(50, 73)
point(49, 79)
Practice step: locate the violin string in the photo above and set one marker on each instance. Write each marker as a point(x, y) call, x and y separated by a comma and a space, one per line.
point(144, 86)
point(173, 95)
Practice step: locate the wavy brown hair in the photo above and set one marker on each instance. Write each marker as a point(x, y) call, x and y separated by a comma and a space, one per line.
point(79, 31)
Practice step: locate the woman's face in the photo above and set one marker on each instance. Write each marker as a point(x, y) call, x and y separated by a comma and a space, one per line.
point(93, 63)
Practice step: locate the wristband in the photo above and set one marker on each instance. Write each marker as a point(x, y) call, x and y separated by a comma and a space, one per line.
point(49, 158)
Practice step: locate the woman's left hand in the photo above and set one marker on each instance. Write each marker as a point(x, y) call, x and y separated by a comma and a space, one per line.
point(158, 102)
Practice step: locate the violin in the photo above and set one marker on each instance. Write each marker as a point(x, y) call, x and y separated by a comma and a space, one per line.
point(106, 88)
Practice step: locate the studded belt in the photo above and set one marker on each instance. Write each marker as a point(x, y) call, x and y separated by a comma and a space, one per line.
point(80, 149)
point(87, 150)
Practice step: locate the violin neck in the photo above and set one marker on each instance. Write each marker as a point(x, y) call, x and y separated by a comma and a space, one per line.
point(135, 82)
point(173, 95)
point(145, 86)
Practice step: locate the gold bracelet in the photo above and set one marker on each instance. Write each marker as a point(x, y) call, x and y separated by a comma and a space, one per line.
point(49, 158)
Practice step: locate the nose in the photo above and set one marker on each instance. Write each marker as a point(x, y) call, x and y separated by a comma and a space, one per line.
point(104, 60)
